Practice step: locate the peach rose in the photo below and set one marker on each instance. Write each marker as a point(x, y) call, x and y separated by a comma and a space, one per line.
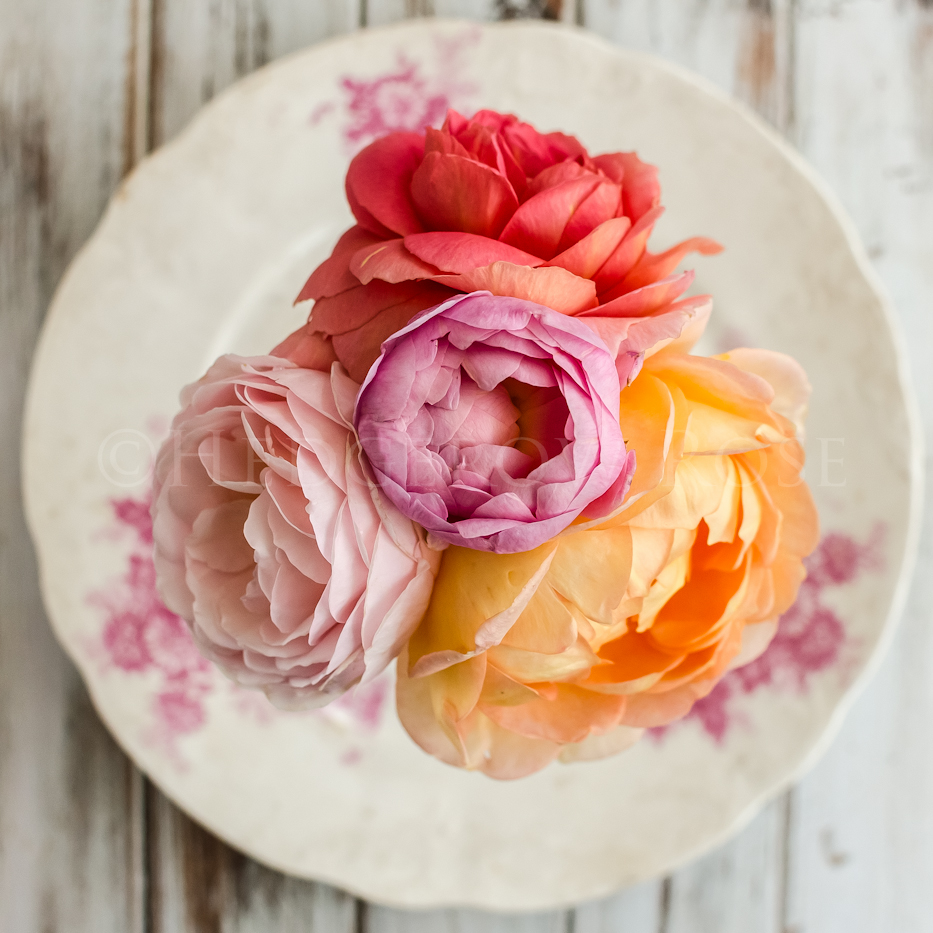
point(270, 541)
point(487, 204)
point(573, 648)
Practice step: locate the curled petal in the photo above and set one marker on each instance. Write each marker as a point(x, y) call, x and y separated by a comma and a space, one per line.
point(601, 205)
point(646, 300)
point(308, 348)
point(628, 252)
point(650, 268)
point(785, 376)
point(552, 287)
point(641, 191)
point(587, 255)
point(461, 253)
point(351, 310)
point(358, 349)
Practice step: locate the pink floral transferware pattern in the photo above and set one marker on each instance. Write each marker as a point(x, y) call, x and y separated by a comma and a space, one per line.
point(410, 97)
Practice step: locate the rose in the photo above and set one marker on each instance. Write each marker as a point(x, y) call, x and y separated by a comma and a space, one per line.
point(494, 422)
point(571, 649)
point(486, 203)
point(293, 575)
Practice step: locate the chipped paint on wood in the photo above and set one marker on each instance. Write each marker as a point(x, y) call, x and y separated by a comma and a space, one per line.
point(756, 65)
point(136, 122)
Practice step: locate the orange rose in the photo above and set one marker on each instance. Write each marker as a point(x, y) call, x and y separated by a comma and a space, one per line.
point(573, 648)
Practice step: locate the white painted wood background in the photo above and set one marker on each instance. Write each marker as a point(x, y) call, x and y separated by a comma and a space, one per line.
point(86, 844)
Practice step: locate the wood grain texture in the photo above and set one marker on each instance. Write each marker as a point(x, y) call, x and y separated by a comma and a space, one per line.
point(70, 804)
point(744, 46)
point(739, 887)
point(384, 920)
point(861, 843)
point(200, 48)
point(642, 909)
point(199, 884)
point(383, 12)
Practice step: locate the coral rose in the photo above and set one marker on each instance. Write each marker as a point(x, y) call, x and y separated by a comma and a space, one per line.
point(494, 422)
point(572, 649)
point(486, 203)
point(268, 539)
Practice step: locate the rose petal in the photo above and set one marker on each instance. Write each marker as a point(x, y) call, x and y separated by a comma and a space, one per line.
point(590, 253)
point(461, 253)
point(538, 225)
point(552, 287)
point(652, 267)
point(454, 193)
point(389, 261)
point(333, 276)
point(646, 300)
point(378, 182)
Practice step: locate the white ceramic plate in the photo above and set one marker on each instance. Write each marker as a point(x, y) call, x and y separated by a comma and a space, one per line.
point(202, 251)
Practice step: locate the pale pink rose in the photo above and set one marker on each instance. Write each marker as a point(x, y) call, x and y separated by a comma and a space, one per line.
point(293, 573)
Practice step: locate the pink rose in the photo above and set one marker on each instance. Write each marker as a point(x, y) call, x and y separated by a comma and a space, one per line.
point(271, 542)
point(488, 203)
point(494, 422)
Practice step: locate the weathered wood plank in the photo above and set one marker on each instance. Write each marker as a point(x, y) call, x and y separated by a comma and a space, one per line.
point(739, 887)
point(70, 803)
point(642, 909)
point(565, 11)
point(200, 48)
point(465, 9)
point(744, 46)
point(382, 12)
point(200, 885)
point(861, 843)
point(384, 920)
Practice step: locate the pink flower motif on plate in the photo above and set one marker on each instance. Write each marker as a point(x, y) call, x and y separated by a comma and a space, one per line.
point(408, 97)
point(141, 636)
